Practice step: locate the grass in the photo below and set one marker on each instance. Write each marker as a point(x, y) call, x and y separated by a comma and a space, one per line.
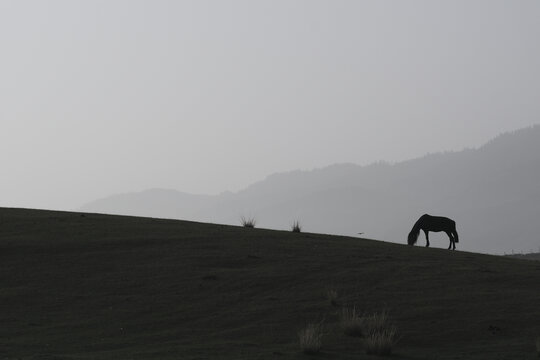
point(380, 342)
point(375, 323)
point(354, 323)
point(310, 338)
point(114, 287)
point(351, 322)
point(295, 227)
point(379, 335)
point(248, 222)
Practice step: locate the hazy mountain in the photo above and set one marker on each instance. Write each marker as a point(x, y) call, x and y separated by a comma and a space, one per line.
point(492, 192)
point(161, 203)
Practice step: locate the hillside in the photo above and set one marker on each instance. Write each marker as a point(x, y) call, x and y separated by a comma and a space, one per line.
point(87, 286)
point(492, 192)
point(530, 256)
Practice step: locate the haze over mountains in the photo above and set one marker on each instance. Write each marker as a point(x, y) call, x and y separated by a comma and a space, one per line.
point(492, 192)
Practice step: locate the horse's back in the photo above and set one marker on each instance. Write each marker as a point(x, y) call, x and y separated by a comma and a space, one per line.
point(438, 223)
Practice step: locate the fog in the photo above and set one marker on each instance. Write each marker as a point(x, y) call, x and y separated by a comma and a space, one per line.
point(103, 97)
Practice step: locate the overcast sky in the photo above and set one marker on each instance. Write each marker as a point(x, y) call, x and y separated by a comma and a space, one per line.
point(105, 96)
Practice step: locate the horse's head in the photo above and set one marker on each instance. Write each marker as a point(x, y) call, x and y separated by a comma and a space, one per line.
point(413, 236)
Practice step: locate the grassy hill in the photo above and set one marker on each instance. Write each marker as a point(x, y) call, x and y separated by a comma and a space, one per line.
point(491, 192)
point(530, 256)
point(87, 286)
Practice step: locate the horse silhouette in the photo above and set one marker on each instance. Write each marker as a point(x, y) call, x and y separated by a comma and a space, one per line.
point(429, 223)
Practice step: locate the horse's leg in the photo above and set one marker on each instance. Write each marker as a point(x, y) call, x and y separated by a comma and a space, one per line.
point(451, 237)
point(427, 238)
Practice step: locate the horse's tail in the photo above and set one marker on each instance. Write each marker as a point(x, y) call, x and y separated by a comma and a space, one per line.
point(413, 235)
point(456, 237)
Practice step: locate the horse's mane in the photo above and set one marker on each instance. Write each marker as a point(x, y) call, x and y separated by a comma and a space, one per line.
point(415, 232)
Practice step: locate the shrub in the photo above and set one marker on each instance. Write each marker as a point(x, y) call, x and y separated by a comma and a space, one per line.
point(380, 342)
point(351, 322)
point(296, 227)
point(311, 338)
point(248, 222)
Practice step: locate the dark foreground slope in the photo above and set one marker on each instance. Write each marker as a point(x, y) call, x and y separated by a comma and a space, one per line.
point(108, 287)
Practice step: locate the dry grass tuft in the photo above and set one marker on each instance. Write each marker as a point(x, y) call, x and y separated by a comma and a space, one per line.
point(295, 227)
point(311, 338)
point(248, 222)
point(380, 342)
point(379, 335)
point(351, 322)
point(375, 323)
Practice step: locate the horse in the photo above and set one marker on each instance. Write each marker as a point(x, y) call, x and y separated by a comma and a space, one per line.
point(429, 223)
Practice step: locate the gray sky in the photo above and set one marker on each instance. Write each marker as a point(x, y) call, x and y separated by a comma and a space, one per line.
point(106, 96)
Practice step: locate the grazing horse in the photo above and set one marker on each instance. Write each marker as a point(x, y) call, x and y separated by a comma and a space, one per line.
point(429, 223)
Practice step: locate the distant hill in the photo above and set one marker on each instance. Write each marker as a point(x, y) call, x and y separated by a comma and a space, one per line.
point(89, 286)
point(492, 192)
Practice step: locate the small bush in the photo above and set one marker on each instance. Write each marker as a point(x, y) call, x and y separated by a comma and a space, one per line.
point(332, 296)
point(311, 338)
point(296, 227)
point(247, 222)
point(351, 322)
point(380, 342)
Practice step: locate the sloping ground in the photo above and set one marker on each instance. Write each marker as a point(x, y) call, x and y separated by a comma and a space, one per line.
point(530, 256)
point(492, 193)
point(87, 286)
